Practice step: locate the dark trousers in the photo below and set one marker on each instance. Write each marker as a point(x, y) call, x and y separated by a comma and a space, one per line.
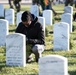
point(49, 6)
point(17, 5)
point(10, 3)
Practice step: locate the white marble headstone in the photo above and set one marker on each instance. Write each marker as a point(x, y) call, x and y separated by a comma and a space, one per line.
point(42, 21)
point(68, 9)
point(67, 17)
point(3, 31)
point(10, 16)
point(61, 36)
point(1, 10)
point(18, 18)
point(15, 50)
point(34, 10)
point(47, 14)
point(53, 65)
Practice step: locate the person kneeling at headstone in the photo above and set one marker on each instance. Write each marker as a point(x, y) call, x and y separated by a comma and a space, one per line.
point(34, 35)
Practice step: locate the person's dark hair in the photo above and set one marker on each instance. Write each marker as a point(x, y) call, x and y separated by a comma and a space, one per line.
point(26, 16)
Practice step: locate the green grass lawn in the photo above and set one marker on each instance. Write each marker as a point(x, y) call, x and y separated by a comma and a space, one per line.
point(32, 68)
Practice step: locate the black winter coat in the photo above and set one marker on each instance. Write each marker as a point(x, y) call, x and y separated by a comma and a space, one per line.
point(34, 32)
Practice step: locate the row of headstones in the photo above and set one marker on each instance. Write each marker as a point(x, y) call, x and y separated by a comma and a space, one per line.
point(7, 14)
point(53, 63)
point(16, 56)
point(62, 30)
point(61, 42)
point(47, 14)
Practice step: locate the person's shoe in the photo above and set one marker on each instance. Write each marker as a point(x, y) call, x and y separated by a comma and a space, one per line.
point(29, 60)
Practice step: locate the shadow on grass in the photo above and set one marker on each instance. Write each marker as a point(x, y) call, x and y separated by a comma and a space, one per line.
point(72, 72)
point(2, 64)
point(74, 28)
point(48, 50)
point(72, 63)
point(12, 30)
point(74, 39)
point(51, 32)
point(2, 18)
